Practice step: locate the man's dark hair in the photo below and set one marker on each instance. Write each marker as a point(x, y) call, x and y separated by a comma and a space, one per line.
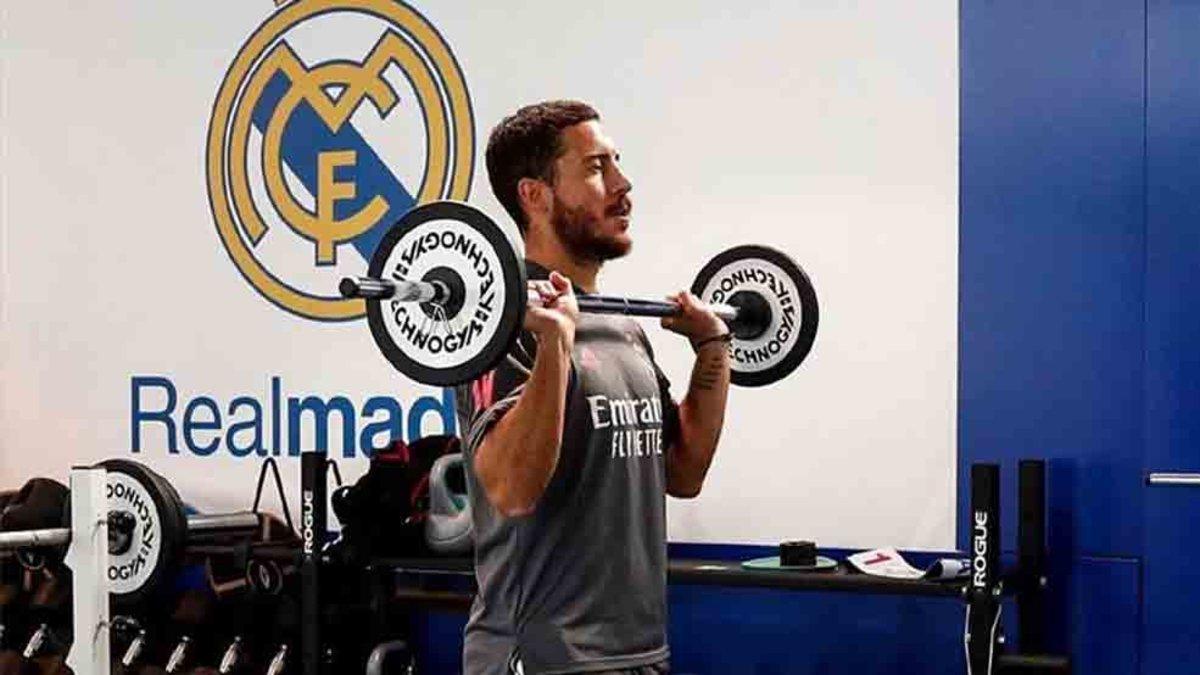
point(525, 145)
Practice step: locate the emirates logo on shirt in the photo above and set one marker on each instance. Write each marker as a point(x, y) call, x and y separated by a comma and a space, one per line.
point(636, 424)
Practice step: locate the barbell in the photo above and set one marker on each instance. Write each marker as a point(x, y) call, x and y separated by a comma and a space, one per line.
point(446, 296)
point(148, 530)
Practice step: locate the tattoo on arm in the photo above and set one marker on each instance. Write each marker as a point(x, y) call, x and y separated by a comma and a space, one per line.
point(708, 371)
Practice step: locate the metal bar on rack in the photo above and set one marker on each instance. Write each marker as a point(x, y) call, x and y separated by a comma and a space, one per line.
point(984, 590)
point(1031, 555)
point(313, 520)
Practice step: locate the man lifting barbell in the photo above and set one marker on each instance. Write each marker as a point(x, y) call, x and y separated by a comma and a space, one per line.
point(572, 435)
point(575, 444)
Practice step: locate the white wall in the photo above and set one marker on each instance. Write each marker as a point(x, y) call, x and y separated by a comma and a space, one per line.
point(826, 129)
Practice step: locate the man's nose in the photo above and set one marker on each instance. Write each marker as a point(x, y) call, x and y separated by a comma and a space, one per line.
point(619, 182)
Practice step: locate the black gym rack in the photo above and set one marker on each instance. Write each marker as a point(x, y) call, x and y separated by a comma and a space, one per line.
point(982, 591)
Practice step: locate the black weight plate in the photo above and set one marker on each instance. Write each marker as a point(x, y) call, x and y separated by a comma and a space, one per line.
point(161, 529)
point(475, 340)
point(787, 290)
point(181, 524)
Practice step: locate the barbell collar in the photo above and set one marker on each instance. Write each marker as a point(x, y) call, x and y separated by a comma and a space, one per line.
point(384, 289)
point(753, 315)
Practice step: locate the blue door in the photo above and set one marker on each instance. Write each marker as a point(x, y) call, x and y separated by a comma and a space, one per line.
point(1171, 596)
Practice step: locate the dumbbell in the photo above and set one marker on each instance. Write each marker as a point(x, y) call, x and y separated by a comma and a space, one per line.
point(128, 646)
point(46, 647)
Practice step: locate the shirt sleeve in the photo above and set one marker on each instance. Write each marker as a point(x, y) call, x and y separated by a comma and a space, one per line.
point(482, 402)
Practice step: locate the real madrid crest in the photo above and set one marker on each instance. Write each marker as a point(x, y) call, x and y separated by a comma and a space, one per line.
point(335, 118)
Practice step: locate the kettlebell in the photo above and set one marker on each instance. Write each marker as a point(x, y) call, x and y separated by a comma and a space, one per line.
point(448, 528)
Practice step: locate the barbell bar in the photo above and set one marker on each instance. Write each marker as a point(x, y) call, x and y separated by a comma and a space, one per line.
point(53, 536)
point(446, 294)
point(422, 291)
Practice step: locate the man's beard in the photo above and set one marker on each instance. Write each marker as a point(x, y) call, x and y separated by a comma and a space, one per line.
point(578, 231)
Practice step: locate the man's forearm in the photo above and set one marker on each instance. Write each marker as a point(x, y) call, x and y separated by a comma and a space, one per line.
point(701, 416)
point(518, 456)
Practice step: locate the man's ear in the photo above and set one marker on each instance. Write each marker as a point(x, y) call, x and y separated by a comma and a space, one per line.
point(536, 198)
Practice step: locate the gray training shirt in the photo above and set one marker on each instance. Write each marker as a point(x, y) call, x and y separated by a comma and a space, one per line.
point(580, 584)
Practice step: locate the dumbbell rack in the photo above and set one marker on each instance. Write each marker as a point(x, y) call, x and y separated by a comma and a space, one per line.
point(87, 556)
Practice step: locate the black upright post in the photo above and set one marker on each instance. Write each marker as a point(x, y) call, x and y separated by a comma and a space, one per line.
point(1031, 556)
point(983, 591)
point(313, 521)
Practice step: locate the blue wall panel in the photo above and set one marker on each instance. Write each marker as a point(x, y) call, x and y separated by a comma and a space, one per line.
point(1052, 246)
point(1105, 617)
point(1173, 237)
point(1172, 592)
point(770, 632)
point(1171, 632)
point(439, 641)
